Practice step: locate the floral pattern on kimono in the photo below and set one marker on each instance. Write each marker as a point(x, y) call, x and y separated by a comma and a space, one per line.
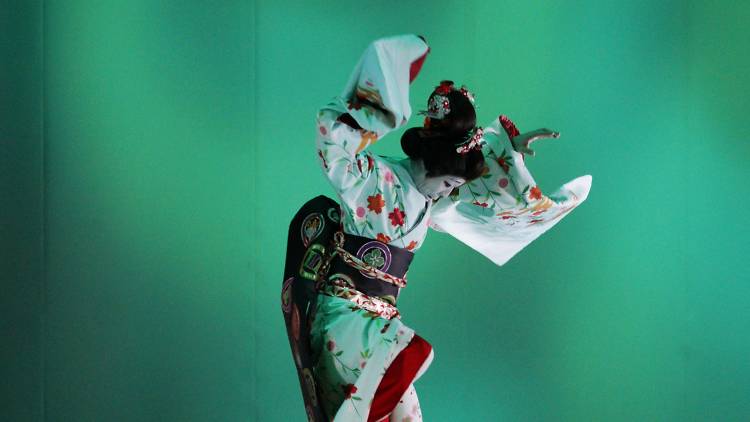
point(504, 210)
point(352, 347)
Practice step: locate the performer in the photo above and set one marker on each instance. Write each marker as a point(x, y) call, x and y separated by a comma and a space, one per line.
point(347, 260)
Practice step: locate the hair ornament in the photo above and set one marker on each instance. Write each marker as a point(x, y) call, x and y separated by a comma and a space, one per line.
point(474, 141)
point(438, 107)
point(468, 94)
point(445, 87)
point(439, 104)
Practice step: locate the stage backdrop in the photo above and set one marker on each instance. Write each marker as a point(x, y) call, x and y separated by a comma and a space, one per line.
point(153, 154)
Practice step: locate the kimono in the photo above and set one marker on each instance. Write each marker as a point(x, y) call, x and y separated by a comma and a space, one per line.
point(354, 365)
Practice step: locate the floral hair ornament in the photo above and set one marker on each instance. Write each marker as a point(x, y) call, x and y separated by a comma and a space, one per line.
point(439, 105)
point(474, 141)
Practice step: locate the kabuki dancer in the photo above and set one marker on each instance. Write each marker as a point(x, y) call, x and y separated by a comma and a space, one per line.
point(347, 259)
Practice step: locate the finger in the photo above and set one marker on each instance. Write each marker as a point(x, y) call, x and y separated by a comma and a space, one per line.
point(549, 134)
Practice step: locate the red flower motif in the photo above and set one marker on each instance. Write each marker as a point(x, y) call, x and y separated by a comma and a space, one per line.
point(503, 164)
point(397, 217)
point(370, 163)
point(330, 345)
point(411, 245)
point(508, 125)
point(383, 238)
point(481, 204)
point(356, 105)
point(322, 130)
point(375, 203)
point(535, 193)
point(349, 389)
point(536, 220)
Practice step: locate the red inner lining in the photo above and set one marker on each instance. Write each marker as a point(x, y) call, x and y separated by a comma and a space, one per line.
point(398, 377)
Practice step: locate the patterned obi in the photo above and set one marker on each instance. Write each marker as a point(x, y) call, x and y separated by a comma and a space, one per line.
point(367, 272)
point(324, 259)
point(321, 259)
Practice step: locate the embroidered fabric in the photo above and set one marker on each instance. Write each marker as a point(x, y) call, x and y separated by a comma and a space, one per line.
point(339, 287)
point(357, 263)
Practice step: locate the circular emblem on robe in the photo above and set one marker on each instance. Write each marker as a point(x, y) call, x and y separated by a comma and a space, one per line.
point(310, 384)
point(286, 295)
point(375, 254)
point(333, 214)
point(295, 322)
point(312, 226)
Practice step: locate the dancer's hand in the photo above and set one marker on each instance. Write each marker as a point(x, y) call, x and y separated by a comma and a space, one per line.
point(522, 141)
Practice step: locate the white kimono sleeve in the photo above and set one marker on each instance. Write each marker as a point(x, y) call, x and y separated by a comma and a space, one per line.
point(504, 210)
point(376, 100)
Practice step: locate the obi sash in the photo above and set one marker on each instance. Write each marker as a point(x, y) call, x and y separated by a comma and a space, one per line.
point(312, 267)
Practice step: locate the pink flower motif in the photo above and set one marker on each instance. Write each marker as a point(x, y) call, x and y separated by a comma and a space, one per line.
point(503, 182)
point(361, 212)
point(362, 364)
point(323, 130)
point(388, 176)
point(331, 345)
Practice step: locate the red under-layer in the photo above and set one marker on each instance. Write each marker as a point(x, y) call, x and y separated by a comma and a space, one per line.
point(398, 377)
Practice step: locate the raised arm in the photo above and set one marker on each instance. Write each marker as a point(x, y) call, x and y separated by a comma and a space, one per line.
point(374, 102)
point(504, 210)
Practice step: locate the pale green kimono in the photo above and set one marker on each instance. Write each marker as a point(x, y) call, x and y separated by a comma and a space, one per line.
point(497, 215)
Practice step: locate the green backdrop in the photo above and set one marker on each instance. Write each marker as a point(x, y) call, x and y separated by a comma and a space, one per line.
point(153, 153)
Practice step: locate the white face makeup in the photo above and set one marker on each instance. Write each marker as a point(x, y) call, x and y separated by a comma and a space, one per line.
point(440, 186)
point(433, 187)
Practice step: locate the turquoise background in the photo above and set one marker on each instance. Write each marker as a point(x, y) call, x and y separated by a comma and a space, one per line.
point(153, 153)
